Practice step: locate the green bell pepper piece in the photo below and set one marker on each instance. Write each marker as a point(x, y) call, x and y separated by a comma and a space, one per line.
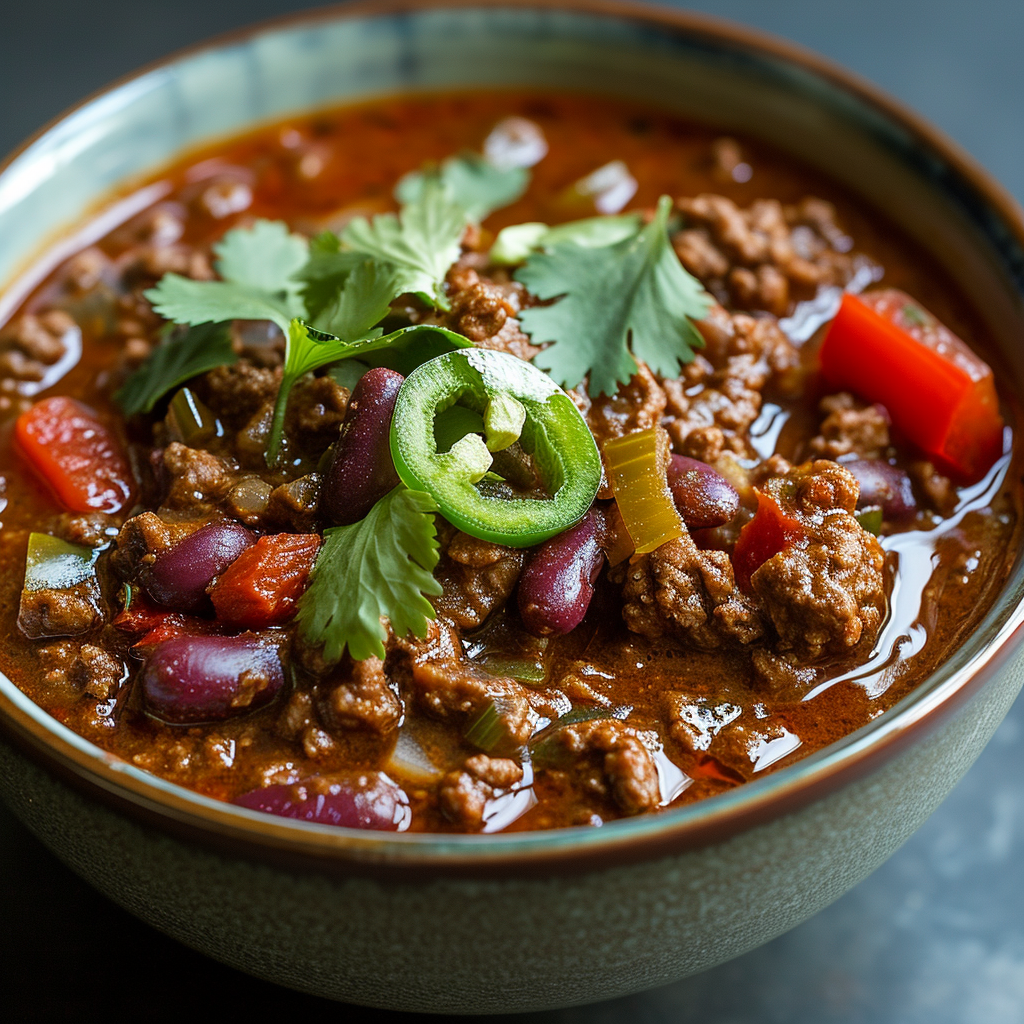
point(550, 429)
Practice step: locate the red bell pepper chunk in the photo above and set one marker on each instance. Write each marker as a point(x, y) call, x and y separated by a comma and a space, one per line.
point(75, 454)
point(768, 533)
point(264, 583)
point(886, 348)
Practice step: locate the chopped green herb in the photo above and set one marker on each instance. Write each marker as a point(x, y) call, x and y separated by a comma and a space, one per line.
point(871, 520)
point(178, 358)
point(257, 265)
point(617, 304)
point(380, 567)
point(472, 182)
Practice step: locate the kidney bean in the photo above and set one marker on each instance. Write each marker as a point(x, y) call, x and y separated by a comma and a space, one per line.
point(557, 584)
point(191, 679)
point(885, 485)
point(179, 576)
point(352, 800)
point(703, 497)
point(361, 471)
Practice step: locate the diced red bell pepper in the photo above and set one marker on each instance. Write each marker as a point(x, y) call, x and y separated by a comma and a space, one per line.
point(263, 585)
point(75, 454)
point(768, 533)
point(886, 348)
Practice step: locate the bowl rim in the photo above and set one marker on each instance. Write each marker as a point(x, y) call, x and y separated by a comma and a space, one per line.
point(305, 846)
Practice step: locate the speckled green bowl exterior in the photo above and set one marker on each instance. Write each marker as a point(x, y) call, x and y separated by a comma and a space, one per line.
point(528, 921)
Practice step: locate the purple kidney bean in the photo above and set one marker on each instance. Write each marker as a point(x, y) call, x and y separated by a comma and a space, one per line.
point(179, 576)
point(885, 485)
point(352, 800)
point(703, 496)
point(190, 679)
point(362, 471)
point(557, 584)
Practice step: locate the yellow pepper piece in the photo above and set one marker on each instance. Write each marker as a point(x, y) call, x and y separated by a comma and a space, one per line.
point(637, 468)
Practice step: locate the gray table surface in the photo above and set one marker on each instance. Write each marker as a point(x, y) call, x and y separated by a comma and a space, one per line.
point(936, 936)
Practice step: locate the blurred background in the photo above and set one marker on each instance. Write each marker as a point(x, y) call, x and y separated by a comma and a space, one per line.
point(936, 936)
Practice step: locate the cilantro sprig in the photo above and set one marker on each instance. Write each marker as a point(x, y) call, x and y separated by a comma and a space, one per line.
point(174, 361)
point(379, 568)
point(616, 304)
point(257, 266)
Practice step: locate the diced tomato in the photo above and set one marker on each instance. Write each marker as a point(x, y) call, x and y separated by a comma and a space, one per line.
point(768, 533)
point(886, 348)
point(153, 624)
point(263, 585)
point(80, 459)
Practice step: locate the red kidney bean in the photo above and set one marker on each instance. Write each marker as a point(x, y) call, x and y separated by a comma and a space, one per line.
point(885, 485)
point(352, 800)
point(179, 576)
point(191, 679)
point(361, 471)
point(557, 584)
point(703, 496)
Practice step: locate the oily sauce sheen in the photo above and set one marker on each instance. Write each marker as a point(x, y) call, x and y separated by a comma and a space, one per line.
point(704, 719)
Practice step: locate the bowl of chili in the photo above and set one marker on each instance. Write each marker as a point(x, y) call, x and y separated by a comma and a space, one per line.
point(644, 898)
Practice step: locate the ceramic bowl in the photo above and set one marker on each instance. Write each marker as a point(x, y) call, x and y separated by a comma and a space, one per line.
point(523, 921)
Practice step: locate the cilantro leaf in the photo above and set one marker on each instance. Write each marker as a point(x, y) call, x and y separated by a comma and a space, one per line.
point(263, 257)
point(257, 265)
point(421, 242)
point(472, 182)
point(177, 359)
point(515, 243)
point(325, 273)
point(380, 567)
point(633, 294)
point(363, 301)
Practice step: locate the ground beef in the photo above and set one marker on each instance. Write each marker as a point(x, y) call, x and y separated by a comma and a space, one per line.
point(463, 795)
point(436, 676)
point(66, 611)
point(678, 590)
point(294, 504)
point(237, 392)
point(92, 530)
point(825, 593)
point(70, 667)
point(316, 408)
point(765, 256)
point(478, 577)
point(711, 407)
point(613, 762)
point(850, 428)
point(195, 478)
point(366, 699)
point(299, 723)
point(638, 405)
point(486, 311)
point(30, 345)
